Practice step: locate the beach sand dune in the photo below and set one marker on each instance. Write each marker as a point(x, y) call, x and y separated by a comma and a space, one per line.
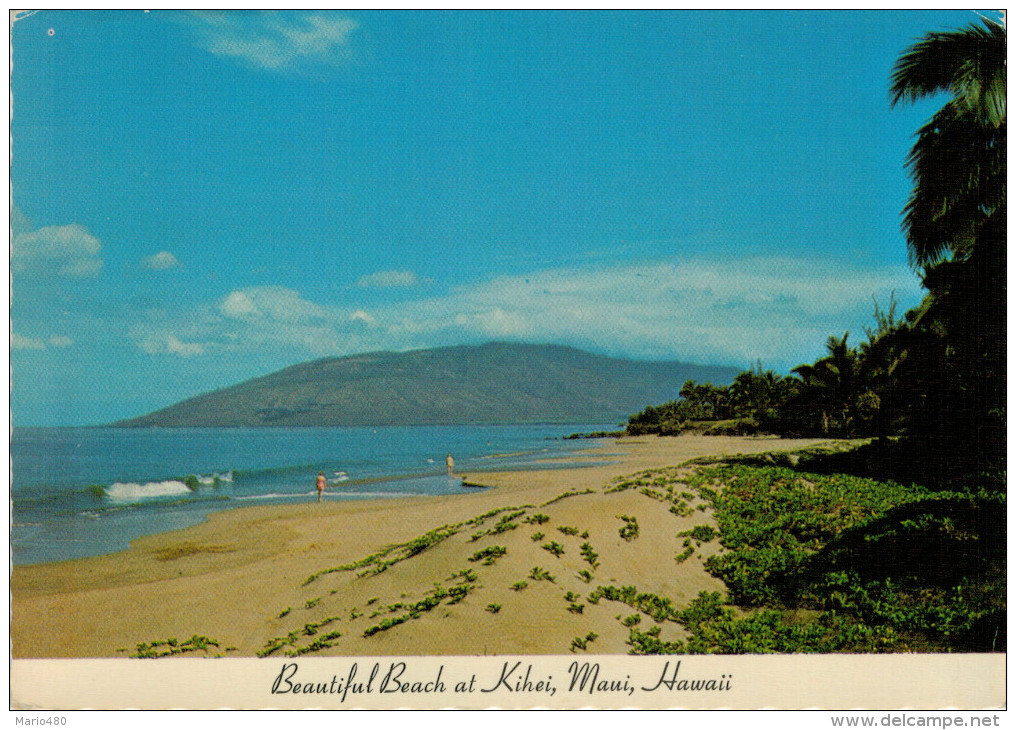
point(241, 578)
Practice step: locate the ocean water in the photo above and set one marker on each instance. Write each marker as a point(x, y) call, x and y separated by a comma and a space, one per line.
point(78, 492)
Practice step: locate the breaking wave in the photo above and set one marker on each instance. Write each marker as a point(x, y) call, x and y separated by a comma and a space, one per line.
point(213, 478)
point(132, 492)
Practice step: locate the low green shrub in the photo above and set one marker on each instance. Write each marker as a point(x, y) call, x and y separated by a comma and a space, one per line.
point(538, 573)
point(589, 555)
point(376, 562)
point(681, 509)
point(429, 602)
point(554, 548)
point(322, 642)
point(630, 530)
point(565, 495)
point(702, 533)
point(581, 642)
point(171, 647)
point(658, 608)
point(489, 554)
point(468, 575)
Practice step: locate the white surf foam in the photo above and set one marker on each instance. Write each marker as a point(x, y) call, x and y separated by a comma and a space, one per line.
point(373, 494)
point(132, 491)
point(326, 495)
point(276, 495)
point(210, 479)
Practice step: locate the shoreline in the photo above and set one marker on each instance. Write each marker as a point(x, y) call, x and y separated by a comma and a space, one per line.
point(332, 495)
point(232, 576)
point(50, 526)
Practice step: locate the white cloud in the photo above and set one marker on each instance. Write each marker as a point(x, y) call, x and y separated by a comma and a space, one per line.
point(176, 347)
point(251, 320)
point(237, 305)
point(730, 311)
point(277, 41)
point(388, 279)
point(361, 316)
point(497, 322)
point(64, 251)
point(161, 261)
point(19, 342)
point(734, 311)
point(270, 302)
point(169, 344)
point(19, 221)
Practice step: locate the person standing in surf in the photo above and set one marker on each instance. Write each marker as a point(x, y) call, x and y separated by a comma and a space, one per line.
point(321, 482)
point(450, 463)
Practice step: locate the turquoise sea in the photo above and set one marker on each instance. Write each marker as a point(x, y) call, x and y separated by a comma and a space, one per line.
point(78, 492)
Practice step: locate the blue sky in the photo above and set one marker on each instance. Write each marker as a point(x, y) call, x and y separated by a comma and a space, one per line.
point(201, 198)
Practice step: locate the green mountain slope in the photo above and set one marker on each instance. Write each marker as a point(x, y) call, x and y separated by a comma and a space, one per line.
point(493, 383)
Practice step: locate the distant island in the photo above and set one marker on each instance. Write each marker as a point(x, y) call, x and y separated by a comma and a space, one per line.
point(496, 383)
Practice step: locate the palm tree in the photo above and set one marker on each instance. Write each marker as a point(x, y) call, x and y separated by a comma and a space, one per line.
point(832, 381)
point(954, 370)
point(958, 161)
point(881, 356)
point(760, 395)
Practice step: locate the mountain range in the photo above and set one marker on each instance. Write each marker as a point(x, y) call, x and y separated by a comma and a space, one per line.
point(496, 383)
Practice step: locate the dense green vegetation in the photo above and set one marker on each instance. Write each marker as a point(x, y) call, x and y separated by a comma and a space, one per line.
point(836, 563)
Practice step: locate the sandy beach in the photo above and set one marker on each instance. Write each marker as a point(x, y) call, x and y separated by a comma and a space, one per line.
point(241, 578)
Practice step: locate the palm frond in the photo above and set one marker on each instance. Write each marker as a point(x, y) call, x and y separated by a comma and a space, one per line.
point(958, 166)
point(968, 63)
